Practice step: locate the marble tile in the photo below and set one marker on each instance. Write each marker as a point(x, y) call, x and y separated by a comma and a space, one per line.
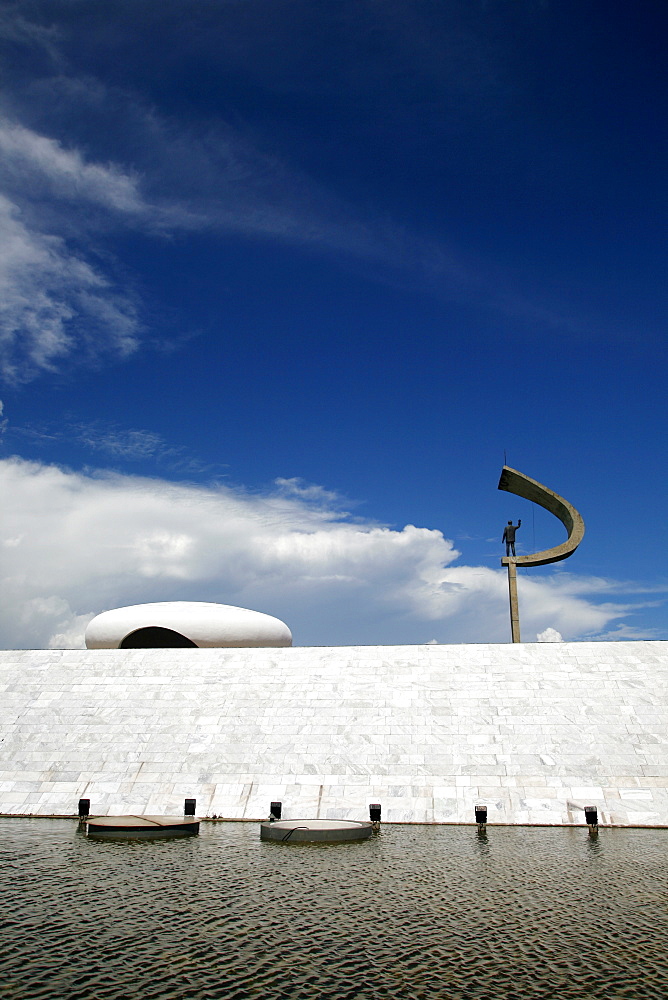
point(426, 730)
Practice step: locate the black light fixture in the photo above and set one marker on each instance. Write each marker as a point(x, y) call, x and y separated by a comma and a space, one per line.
point(84, 807)
point(374, 812)
point(189, 807)
point(481, 817)
point(591, 818)
point(275, 811)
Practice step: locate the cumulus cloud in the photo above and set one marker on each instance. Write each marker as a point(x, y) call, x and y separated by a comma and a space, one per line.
point(75, 544)
point(550, 635)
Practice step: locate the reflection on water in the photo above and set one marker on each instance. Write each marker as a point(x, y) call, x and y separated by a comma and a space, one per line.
point(433, 912)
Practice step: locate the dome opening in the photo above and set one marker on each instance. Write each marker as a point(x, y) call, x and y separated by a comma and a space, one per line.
point(155, 637)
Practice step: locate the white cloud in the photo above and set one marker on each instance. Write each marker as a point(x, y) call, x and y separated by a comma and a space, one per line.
point(55, 197)
point(32, 158)
point(70, 630)
point(297, 487)
point(58, 304)
point(623, 632)
point(550, 635)
point(121, 444)
point(76, 544)
point(53, 304)
point(15, 28)
point(135, 445)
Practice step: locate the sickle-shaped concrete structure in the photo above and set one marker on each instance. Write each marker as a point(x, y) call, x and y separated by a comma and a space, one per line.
point(523, 486)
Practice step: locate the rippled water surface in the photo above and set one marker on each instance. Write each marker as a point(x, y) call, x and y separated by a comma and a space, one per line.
point(434, 912)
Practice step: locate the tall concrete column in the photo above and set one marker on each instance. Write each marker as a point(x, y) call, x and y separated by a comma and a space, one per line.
point(514, 606)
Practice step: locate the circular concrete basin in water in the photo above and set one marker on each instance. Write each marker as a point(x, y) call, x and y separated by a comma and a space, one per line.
point(142, 826)
point(291, 831)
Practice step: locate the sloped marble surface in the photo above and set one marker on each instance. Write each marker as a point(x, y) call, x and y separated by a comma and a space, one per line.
point(534, 731)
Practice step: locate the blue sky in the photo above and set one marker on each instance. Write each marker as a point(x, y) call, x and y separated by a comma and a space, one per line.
point(284, 280)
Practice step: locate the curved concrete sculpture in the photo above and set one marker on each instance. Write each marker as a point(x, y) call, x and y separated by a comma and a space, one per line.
point(184, 623)
point(523, 486)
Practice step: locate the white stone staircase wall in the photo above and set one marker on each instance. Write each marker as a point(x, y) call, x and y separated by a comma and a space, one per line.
point(534, 731)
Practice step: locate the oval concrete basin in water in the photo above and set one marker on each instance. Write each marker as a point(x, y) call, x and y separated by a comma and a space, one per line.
point(141, 826)
point(291, 831)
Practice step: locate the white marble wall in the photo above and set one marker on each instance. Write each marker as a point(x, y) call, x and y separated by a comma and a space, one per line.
point(534, 731)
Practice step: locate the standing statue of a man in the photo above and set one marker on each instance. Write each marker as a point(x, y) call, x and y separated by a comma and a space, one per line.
point(509, 536)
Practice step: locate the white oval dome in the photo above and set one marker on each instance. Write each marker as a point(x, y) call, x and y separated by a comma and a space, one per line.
point(184, 623)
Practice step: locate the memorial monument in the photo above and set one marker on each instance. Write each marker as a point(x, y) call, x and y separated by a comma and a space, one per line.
point(176, 702)
point(523, 486)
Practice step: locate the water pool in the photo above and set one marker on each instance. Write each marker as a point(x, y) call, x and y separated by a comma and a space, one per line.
point(433, 912)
